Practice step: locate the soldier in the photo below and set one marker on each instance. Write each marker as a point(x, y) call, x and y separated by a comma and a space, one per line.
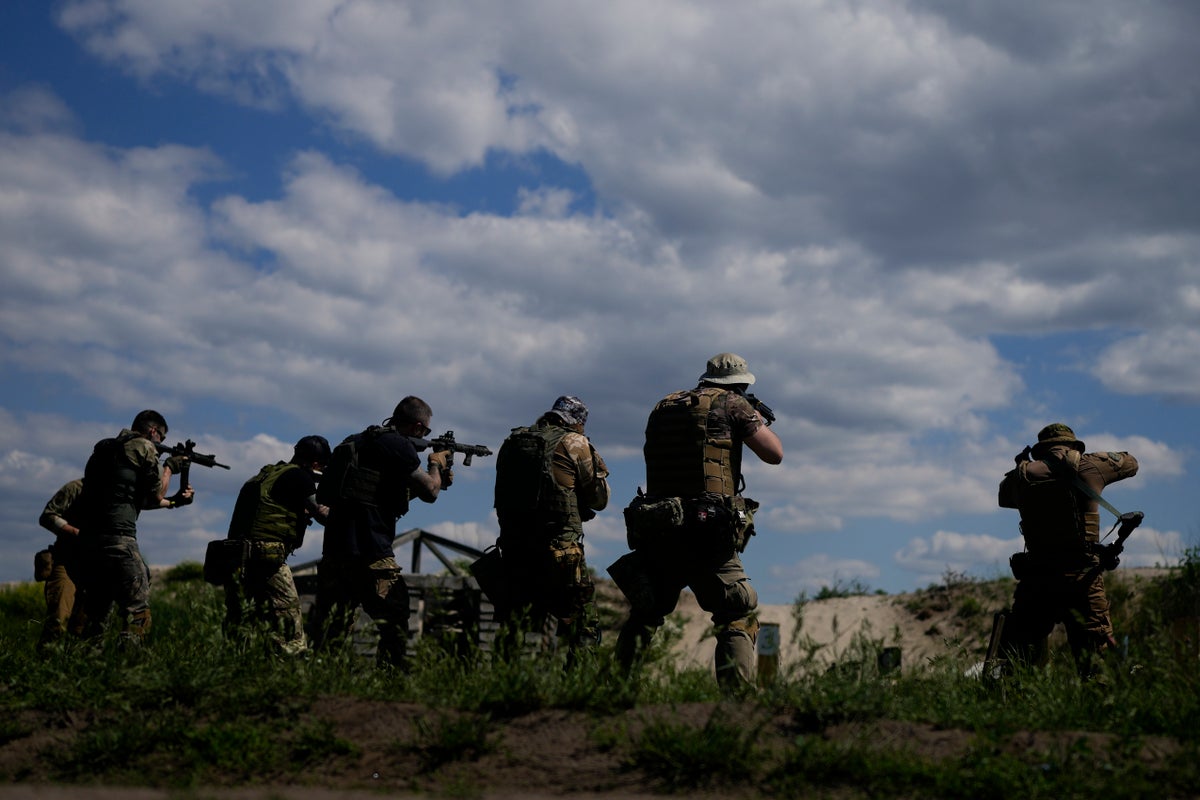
point(62, 516)
point(693, 522)
point(121, 479)
point(549, 481)
point(1060, 575)
point(272, 513)
point(371, 477)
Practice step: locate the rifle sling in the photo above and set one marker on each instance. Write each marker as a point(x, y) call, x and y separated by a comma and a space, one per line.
point(1062, 473)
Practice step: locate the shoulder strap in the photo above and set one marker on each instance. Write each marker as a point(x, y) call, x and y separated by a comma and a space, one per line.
point(1066, 475)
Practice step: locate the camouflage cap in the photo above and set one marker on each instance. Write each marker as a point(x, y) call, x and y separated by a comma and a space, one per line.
point(727, 368)
point(1056, 433)
point(571, 409)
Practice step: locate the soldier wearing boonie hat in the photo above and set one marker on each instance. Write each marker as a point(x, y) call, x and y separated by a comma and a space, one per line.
point(1060, 575)
point(692, 523)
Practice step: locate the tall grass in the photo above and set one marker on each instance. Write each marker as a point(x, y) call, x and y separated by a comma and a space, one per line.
point(189, 708)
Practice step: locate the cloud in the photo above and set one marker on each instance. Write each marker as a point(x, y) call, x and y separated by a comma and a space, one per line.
point(1159, 362)
point(819, 571)
point(951, 552)
point(799, 122)
point(869, 202)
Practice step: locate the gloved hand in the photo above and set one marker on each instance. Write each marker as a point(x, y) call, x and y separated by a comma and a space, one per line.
point(441, 459)
point(175, 464)
point(183, 497)
point(1110, 558)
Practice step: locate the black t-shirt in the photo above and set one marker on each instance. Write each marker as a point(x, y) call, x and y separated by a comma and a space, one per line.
point(362, 530)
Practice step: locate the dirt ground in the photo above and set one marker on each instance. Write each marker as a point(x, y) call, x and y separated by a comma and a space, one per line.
point(556, 753)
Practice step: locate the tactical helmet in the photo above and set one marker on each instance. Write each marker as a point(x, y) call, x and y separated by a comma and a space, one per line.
point(571, 409)
point(726, 368)
point(1056, 433)
point(310, 449)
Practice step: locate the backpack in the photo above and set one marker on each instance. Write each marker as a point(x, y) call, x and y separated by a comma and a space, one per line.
point(522, 471)
point(345, 478)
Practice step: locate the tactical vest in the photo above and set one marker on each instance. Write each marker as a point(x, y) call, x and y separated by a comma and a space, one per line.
point(112, 497)
point(528, 500)
point(258, 517)
point(1055, 519)
point(689, 446)
point(353, 475)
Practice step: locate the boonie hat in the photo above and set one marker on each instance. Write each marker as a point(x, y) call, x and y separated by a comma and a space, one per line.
point(1057, 433)
point(727, 368)
point(571, 409)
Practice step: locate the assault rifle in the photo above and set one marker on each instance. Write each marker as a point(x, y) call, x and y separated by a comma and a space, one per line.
point(446, 442)
point(1128, 523)
point(187, 452)
point(762, 408)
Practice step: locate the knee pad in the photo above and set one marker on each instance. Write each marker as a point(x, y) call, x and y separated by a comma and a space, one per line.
point(747, 625)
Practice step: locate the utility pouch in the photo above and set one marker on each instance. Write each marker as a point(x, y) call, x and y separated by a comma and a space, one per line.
point(223, 559)
point(721, 521)
point(488, 571)
point(43, 565)
point(1020, 566)
point(742, 509)
point(647, 519)
point(268, 554)
point(630, 575)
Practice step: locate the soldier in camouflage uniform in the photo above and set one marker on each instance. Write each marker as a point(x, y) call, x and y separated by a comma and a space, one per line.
point(693, 456)
point(549, 481)
point(62, 516)
point(1061, 573)
point(122, 478)
point(272, 513)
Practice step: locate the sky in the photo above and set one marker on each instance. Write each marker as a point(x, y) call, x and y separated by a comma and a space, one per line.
point(931, 227)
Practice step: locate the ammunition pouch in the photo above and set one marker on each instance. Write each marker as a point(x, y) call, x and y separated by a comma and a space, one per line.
point(223, 559)
point(709, 520)
point(43, 565)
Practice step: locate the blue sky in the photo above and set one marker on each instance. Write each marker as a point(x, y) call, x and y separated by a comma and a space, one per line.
point(930, 227)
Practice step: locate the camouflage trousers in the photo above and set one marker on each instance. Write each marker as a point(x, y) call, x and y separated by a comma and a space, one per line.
point(543, 581)
point(345, 585)
point(112, 571)
point(59, 592)
point(722, 588)
point(264, 592)
point(1077, 599)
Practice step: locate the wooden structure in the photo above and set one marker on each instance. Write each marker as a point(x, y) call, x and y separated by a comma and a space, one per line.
point(447, 605)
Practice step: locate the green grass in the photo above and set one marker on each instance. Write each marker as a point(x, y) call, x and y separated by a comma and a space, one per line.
point(189, 710)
